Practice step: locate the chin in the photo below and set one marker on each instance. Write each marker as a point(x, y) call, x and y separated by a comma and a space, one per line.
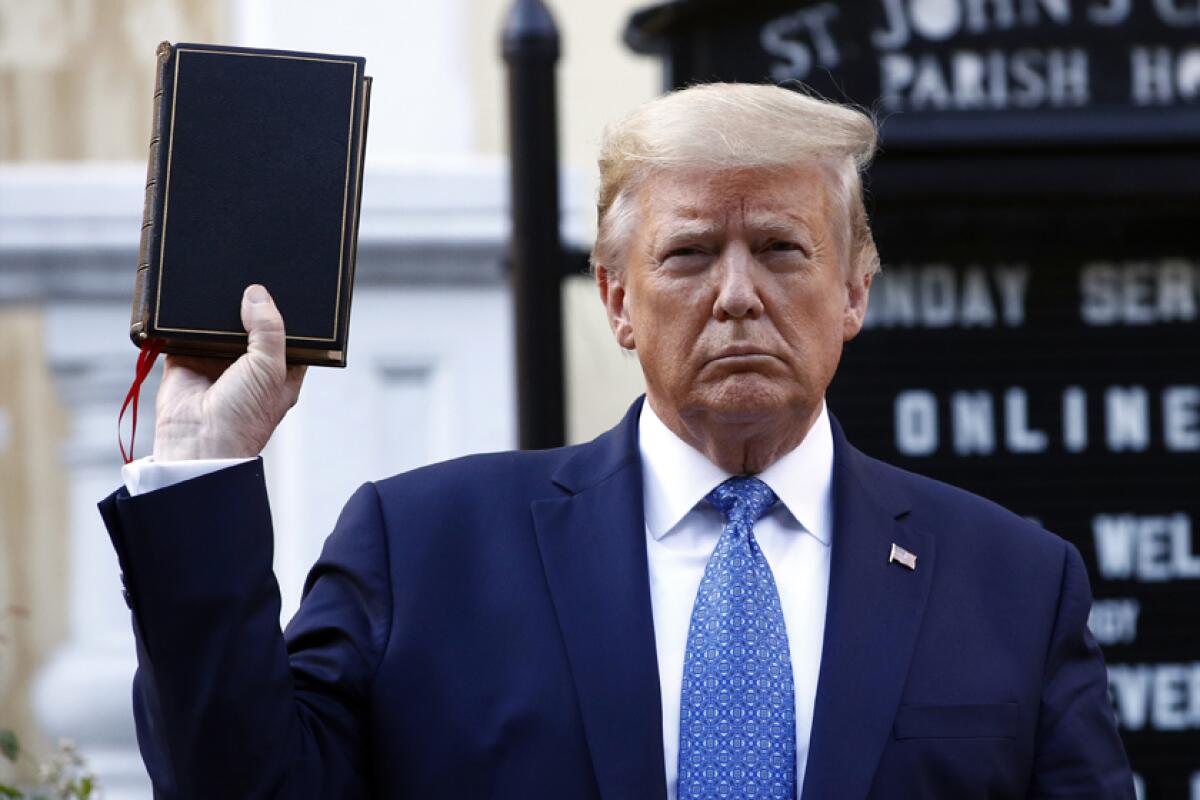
point(746, 398)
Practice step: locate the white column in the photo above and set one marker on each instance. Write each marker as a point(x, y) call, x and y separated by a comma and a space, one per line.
point(83, 693)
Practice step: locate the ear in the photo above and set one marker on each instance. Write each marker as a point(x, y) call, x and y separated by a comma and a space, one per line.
point(612, 294)
point(858, 294)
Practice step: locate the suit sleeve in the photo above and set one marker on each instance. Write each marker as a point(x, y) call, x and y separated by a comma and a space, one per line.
point(225, 706)
point(1079, 752)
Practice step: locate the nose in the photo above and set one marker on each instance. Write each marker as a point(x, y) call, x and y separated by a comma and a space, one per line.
point(737, 293)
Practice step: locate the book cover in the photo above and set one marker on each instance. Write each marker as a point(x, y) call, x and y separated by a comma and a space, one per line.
point(255, 176)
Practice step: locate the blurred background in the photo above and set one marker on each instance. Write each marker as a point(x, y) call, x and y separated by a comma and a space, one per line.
point(1034, 336)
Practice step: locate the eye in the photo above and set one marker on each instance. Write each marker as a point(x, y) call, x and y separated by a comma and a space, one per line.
point(783, 246)
point(687, 258)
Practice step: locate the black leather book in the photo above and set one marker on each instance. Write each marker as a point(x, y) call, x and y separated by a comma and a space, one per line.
point(255, 176)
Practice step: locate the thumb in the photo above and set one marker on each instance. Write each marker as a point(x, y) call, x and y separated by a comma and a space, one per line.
point(264, 324)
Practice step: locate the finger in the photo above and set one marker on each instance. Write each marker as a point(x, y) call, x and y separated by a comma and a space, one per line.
point(264, 325)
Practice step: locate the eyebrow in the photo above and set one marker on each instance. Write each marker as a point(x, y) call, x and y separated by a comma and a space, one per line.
point(778, 222)
point(776, 226)
point(687, 226)
point(684, 229)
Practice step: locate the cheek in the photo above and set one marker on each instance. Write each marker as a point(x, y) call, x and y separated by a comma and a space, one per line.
point(814, 324)
point(670, 314)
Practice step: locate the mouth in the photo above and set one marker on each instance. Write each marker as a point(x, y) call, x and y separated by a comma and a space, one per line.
point(741, 353)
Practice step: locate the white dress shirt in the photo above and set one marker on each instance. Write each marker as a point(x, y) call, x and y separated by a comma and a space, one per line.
point(682, 531)
point(146, 474)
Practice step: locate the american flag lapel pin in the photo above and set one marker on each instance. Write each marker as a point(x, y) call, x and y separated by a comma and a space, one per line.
point(901, 556)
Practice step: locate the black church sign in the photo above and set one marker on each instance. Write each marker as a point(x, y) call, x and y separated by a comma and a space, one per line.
point(1035, 334)
point(1072, 68)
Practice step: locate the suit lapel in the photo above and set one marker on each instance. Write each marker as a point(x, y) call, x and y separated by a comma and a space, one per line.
point(593, 549)
point(871, 625)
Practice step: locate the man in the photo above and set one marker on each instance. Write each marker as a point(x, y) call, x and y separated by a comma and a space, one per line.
point(720, 597)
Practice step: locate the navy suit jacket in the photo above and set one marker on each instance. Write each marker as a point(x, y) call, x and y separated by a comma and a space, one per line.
point(482, 629)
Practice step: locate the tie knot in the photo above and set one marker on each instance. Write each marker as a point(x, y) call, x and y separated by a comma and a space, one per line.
point(742, 499)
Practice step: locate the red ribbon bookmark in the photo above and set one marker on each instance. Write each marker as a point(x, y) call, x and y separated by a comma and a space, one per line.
point(146, 357)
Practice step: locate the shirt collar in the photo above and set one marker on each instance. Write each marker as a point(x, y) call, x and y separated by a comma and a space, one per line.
point(676, 476)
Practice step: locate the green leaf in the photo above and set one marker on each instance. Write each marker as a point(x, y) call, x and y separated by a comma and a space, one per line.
point(9, 791)
point(82, 789)
point(10, 745)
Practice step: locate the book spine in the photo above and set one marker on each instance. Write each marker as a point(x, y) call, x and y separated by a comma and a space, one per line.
point(348, 290)
point(151, 220)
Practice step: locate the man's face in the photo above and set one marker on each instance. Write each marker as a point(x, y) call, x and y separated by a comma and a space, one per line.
point(735, 294)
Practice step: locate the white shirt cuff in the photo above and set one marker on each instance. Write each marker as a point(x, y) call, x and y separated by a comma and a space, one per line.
point(147, 475)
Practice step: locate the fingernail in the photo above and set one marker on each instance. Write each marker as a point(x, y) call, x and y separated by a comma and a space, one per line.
point(256, 294)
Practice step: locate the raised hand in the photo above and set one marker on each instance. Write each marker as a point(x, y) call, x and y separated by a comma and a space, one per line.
point(216, 408)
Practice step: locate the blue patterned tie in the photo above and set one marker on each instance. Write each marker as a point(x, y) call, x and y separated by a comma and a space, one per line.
point(737, 716)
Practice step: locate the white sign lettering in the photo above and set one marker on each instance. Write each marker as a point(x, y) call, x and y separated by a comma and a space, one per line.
point(1109, 12)
point(1163, 697)
point(992, 79)
point(973, 423)
point(916, 422)
point(784, 38)
point(1114, 621)
point(932, 55)
point(1145, 548)
point(1161, 76)
point(1140, 292)
point(1074, 409)
point(981, 425)
point(1127, 418)
point(938, 20)
point(937, 296)
point(1019, 437)
point(1178, 13)
point(1181, 418)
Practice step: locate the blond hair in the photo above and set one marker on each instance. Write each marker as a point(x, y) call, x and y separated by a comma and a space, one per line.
point(722, 126)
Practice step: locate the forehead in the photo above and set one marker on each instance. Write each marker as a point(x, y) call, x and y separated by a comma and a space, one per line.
point(719, 197)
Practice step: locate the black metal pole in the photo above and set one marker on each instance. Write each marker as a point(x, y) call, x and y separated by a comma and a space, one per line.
point(530, 47)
